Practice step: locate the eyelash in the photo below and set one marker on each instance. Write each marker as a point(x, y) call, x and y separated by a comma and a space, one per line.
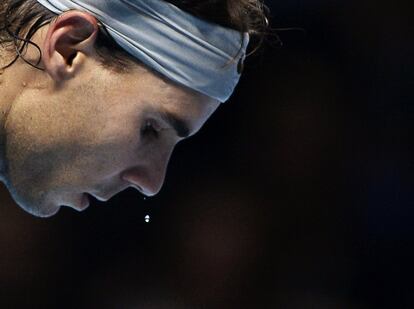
point(149, 129)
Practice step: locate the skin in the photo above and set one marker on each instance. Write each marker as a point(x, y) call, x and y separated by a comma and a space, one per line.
point(80, 127)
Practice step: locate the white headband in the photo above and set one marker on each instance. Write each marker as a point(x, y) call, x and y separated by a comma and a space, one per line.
point(184, 48)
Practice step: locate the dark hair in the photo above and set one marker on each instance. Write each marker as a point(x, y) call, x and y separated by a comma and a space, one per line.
point(20, 19)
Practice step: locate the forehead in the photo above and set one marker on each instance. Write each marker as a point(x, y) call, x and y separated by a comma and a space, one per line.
point(169, 96)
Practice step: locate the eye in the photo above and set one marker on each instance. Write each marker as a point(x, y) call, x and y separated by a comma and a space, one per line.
point(150, 129)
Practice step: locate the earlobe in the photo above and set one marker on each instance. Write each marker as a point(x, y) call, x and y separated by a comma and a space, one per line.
point(69, 41)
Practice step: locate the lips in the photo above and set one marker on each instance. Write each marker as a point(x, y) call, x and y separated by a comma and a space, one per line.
point(85, 202)
point(100, 198)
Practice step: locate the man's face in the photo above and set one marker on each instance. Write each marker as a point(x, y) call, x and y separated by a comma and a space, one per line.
point(99, 134)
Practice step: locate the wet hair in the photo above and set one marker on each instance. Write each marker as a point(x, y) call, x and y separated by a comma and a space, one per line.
point(20, 19)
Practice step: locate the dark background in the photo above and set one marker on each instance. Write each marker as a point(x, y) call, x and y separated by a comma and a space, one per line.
point(298, 193)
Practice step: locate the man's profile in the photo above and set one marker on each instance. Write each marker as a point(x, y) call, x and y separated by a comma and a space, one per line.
point(94, 95)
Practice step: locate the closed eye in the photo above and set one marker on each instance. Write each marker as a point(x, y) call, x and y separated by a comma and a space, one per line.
point(150, 129)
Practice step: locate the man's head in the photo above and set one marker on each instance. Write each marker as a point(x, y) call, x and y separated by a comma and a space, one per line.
point(90, 122)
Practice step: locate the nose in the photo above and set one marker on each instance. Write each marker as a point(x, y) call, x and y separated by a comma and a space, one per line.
point(147, 179)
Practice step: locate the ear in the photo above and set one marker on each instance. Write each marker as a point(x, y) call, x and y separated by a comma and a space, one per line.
point(69, 41)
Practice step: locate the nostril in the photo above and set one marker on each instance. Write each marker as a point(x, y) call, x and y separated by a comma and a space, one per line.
point(147, 181)
point(138, 188)
point(134, 182)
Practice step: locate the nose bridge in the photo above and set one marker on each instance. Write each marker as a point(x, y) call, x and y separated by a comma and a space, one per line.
point(157, 170)
point(149, 176)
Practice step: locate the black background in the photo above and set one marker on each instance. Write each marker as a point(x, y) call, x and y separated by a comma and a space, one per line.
point(296, 194)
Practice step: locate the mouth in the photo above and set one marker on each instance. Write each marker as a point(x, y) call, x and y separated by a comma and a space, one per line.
point(99, 198)
point(85, 202)
point(81, 204)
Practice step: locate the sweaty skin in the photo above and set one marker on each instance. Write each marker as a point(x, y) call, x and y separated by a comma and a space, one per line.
point(79, 127)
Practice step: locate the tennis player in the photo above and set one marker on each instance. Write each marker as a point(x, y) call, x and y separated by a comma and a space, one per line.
point(95, 94)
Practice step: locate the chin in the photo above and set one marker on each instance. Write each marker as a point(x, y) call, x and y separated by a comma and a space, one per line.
point(43, 212)
point(48, 213)
point(35, 205)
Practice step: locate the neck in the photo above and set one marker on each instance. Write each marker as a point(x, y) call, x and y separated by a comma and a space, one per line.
point(3, 117)
point(14, 81)
point(9, 90)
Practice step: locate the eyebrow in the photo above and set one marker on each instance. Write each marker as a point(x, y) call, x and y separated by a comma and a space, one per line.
point(180, 126)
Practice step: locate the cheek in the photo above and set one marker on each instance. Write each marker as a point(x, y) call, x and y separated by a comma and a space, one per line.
point(69, 146)
point(116, 135)
point(109, 123)
point(97, 151)
point(114, 144)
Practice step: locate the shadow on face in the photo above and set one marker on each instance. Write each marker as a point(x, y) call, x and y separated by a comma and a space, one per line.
point(100, 134)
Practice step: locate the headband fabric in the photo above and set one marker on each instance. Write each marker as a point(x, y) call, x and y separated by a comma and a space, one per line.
point(182, 47)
